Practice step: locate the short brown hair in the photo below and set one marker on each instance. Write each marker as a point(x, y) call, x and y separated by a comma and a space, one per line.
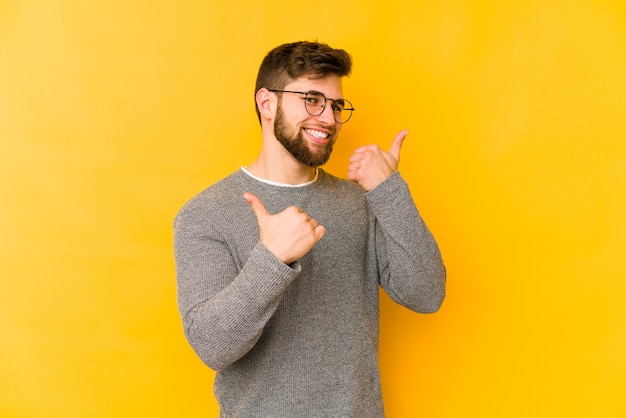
point(287, 62)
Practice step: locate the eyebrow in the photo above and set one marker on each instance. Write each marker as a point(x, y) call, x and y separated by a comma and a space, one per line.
point(319, 92)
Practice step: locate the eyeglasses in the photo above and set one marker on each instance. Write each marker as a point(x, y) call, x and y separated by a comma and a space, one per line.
point(315, 103)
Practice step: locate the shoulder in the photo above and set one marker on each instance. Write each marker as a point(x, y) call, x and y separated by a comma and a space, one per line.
point(215, 201)
point(345, 195)
point(327, 180)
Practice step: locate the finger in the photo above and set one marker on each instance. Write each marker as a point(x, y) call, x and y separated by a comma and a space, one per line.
point(256, 205)
point(355, 157)
point(362, 155)
point(396, 145)
point(364, 148)
point(319, 232)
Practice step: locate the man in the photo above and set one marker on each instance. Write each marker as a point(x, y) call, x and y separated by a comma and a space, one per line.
point(279, 264)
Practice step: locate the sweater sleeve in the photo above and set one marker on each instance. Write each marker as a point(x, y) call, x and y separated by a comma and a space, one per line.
point(410, 265)
point(224, 306)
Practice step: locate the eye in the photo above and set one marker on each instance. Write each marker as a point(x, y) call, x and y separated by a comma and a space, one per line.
point(314, 98)
point(339, 105)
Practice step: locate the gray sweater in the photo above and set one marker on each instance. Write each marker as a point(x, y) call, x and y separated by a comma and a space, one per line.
point(300, 340)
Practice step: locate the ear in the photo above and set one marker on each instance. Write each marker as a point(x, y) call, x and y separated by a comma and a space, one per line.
point(266, 103)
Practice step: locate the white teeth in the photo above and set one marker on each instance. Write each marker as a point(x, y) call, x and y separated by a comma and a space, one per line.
point(317, 134)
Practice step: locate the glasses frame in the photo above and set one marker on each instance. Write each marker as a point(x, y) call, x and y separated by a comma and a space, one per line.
point(350, 106)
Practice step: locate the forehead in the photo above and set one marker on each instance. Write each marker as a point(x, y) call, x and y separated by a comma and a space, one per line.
point(330, 85)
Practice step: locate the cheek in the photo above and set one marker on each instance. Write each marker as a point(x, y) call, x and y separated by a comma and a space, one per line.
point(294, 117)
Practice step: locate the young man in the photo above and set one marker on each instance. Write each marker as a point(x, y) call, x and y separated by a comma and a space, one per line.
point(279, 264)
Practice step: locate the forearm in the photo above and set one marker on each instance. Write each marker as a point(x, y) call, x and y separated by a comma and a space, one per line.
point(227, 324)
point(410, 263)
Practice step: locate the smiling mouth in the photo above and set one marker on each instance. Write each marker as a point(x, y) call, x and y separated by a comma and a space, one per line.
point(317, 134)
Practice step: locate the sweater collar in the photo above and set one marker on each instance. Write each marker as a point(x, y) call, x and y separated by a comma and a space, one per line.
point(274, 183)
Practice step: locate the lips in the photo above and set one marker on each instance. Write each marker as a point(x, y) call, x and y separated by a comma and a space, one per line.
point(318, 136)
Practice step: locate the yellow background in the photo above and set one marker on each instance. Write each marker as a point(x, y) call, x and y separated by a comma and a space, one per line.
point(113, 113)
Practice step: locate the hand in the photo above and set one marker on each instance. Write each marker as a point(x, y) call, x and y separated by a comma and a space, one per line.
point(290, 234)
point(370, 166)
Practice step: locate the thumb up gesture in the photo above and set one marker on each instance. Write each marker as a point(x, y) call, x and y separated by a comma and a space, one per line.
point(370, 165)
point(289, 234)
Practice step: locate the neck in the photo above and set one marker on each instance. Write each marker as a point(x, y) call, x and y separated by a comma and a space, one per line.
point(285, 171)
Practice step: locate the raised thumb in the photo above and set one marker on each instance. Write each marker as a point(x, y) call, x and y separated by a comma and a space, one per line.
point(396, 145)
point(256, 205)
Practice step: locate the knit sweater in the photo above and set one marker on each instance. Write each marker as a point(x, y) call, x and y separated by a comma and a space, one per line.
point(300, 340)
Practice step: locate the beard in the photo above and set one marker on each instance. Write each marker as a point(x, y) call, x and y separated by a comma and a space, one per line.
point(297, 146)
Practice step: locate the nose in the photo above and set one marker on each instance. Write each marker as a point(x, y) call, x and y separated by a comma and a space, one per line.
point(327, 115)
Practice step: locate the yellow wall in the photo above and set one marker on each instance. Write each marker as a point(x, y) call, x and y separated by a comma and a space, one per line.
point(113, 113)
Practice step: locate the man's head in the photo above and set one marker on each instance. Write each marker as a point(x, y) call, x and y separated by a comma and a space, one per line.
point(286, 63)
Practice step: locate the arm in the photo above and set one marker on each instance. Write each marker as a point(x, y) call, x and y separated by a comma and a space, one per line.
point(410, 266)
point(409, 262)
point(224, 307)
point(225, 302)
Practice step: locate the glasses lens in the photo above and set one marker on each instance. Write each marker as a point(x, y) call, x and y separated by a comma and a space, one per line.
point(342, 109)
point(314, 103)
